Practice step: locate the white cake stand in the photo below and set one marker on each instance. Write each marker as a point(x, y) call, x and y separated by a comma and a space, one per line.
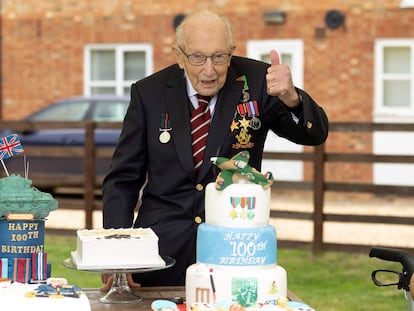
point(120, 291)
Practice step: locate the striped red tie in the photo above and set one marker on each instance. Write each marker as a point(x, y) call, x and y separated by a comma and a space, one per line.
point(200, 123)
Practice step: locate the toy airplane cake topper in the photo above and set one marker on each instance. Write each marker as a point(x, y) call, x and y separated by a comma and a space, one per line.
point(238, 168)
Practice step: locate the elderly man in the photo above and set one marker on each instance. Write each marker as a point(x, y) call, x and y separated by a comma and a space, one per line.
point(158, 152)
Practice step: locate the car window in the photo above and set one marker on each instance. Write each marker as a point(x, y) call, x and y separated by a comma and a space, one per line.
point(110, 111)
point(70, 111)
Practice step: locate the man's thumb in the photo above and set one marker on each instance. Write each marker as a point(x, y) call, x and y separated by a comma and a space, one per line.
point(274, 58)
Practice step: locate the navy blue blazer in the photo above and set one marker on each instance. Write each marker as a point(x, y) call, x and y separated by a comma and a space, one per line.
point(172, 201)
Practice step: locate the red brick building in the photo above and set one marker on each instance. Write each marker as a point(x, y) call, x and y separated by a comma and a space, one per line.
point(356, 58)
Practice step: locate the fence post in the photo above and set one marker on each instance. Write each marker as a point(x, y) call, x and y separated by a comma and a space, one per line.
point(318, 196)
point(89, 169)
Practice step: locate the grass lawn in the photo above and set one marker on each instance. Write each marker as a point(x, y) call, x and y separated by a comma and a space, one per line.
point(331, 281)
point(339, 281)
point(58, 248)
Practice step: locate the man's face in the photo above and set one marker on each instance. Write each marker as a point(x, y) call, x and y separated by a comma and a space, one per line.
point(205, 40)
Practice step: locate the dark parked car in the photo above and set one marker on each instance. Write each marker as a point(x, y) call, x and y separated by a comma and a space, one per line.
point(97, 108)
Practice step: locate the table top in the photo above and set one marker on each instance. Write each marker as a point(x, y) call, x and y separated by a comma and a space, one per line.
point(149, 294)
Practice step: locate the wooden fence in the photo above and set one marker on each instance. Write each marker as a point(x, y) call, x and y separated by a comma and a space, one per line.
point(319, 186)
point(89, 183)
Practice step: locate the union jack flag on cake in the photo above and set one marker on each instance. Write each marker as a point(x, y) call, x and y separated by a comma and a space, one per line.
point(9, 146)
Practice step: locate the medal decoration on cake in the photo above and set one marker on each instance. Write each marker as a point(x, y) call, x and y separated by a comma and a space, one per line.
point(4, 268)
point(39, 267)
point(245, 118)
point(243, 207)
point(237, 168)
point(21, 270)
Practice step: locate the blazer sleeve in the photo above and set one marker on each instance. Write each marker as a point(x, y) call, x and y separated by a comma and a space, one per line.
point(127, 173)
point(312, 128)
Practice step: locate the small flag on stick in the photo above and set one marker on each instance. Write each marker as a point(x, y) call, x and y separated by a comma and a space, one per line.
point(9, 146)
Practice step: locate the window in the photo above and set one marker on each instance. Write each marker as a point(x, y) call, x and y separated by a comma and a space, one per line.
point(291, 54)
point(64, 111)
point(394, 102)
point(112, 111)
point(394, 80)
point(112, 68)
point(407, 4)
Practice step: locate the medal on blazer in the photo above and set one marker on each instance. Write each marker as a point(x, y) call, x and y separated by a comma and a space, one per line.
point(253, 111)
point(245, 95)
point(249, 106)
point(245, 118)
point(165, 127)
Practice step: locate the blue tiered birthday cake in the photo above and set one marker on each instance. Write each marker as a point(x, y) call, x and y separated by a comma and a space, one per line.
point(236, 260)
point(23, 211)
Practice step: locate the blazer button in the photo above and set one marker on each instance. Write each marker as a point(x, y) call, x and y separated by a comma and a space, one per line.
point(199, 187)
point(198, 219)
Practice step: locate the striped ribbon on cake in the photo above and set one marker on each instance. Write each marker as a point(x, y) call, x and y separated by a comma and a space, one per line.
point(21, 270)
point(4, 268)
point(39, 266)
point(250, 202)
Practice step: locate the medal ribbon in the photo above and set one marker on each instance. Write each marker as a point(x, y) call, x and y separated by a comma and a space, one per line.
point(252, 108)
point(21, 270)
point(4, 268)
point(244, 79)
point(241, 109)
point(165, 122)
point(39, 266)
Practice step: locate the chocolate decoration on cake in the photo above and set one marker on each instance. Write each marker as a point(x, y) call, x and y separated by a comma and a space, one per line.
point(118, 236)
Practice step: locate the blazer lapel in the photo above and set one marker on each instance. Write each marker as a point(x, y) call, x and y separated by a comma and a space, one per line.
point(177, 105)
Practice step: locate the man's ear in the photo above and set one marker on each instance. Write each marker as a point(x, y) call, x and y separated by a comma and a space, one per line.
point(179, 56)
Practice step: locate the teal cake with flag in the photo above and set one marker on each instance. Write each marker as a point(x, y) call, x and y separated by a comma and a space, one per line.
point(23, 211)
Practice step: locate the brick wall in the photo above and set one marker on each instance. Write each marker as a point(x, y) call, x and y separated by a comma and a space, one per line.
point(42, 49)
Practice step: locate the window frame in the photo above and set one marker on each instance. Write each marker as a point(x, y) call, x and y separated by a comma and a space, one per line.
point(120, 49)
point(407, 4)
point(381, 112)
point(256, 48)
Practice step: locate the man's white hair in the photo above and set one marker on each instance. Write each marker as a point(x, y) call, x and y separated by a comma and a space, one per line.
point(206, 16)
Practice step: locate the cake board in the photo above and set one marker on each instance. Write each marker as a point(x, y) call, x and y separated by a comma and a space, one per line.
point(120, 291)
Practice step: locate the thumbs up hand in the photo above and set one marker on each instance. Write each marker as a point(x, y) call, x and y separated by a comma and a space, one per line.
point(279, 81)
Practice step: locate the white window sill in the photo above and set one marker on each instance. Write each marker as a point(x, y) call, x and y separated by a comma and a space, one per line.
point(406, 4)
